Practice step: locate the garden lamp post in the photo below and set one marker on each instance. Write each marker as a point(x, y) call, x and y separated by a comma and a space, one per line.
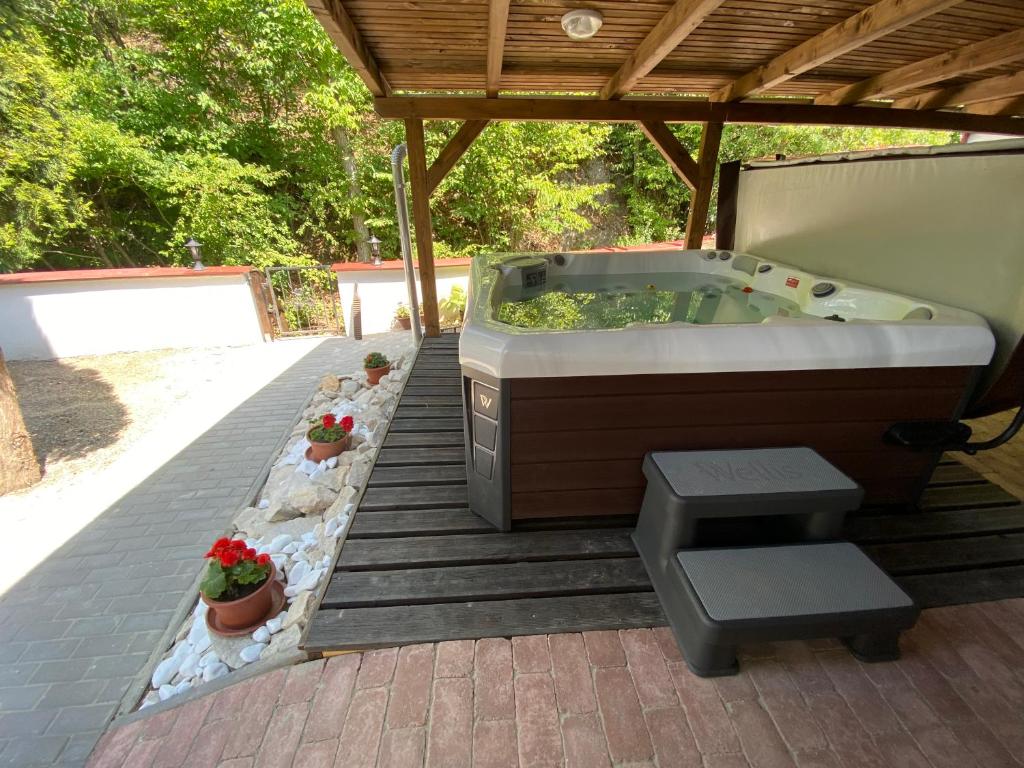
point(195, 248)
point(374, 242)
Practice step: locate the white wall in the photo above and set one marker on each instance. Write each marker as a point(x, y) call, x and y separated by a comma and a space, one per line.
point(382, 290)
point(67, 318)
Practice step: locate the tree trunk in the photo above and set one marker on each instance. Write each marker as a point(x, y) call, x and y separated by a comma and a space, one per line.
point(348, 162)
point(19, 467)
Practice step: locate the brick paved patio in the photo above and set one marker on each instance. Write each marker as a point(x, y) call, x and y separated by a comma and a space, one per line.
point(624, 699)
point(79, 627)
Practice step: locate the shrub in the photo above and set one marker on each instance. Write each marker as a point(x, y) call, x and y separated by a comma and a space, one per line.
point(375, 360)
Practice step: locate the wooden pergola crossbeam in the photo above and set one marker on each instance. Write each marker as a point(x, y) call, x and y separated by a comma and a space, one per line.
point(453, 150)
point(339, 27)
point(985, 54)
point(675, 154)
point(1001, 87)
point(681, 19)
point(870, 24)
point(497, 22)
point(1011, 106)
point(683, 111)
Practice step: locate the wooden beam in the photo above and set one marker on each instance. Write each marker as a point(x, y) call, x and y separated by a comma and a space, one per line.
point(1011, 106)
point(870, 24)
point(340, 28)
point(1000, 87)
point(700, 201)
point(673, 151)
point(452, 151)
point(683, 111)
point(424, 226)
point(993, 52)
point(497, 21)
point(681, 19)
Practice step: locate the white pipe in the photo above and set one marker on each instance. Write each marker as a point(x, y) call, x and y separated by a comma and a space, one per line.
point(403, 231)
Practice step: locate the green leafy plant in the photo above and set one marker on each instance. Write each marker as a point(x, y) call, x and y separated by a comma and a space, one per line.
point(234, 571)
point(453, 306)
point(376, 360)
point(402, 312)
point(328, 429)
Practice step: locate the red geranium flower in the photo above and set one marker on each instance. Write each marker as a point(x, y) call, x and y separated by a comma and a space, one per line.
point(347, 423)
point(238, 544)
point(218, 545)
point(250, 553)
point(229, 557)
point(329, 420)
point(263, 559)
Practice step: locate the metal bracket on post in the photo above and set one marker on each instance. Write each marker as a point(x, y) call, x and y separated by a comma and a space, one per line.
point(402, 208)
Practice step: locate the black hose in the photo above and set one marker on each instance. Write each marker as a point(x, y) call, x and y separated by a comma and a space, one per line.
point(1011, 429)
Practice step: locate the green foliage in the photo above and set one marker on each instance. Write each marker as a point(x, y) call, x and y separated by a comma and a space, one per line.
point(375, 360)
point(453, 306)
point(226, 584)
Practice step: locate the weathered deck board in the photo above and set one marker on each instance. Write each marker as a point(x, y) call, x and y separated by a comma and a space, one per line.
point(419, 566)
point(488, 582)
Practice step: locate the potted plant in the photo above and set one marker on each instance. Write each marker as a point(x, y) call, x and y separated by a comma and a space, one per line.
point(403, 317)
point(376, 365)
point(329, 437)
point(238, 587)
point(453, 307)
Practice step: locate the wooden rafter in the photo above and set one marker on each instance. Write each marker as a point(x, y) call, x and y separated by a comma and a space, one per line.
point(681, 19)
point(684, 111)
point(985, 54)
point(1011, 106)
point(675, 154)
point(1000, 87)
point(700, 201)
point(497, 22)
point(341, 29)
point(870, 24)
point(452, 151)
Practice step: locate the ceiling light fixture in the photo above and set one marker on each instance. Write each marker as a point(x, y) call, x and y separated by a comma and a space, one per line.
point(582, 23)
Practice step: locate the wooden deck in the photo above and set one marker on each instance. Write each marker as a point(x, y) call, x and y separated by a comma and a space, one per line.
point(418, 566)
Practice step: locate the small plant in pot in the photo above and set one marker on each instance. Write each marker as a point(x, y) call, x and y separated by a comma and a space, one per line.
point(376, 365)
point(403, 317)
point(329, 437)
point(238, 587)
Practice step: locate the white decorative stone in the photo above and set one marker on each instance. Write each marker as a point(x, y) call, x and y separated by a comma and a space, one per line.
point(209, 658)
point(189, 665)
point(332, 462)
point(307, 467)
point(289, 638)
point(183, 686)
point(151, 698)
point(213, 671)
point(297, 572)
point(279, 562)
point(166, 670)
point(278, 543)
point(252, 652)
point(291, 549)
point(309, 581)
point(331, 526)
point(276, 624)
point(264, 503)
point(165, 692)
point(261, 635)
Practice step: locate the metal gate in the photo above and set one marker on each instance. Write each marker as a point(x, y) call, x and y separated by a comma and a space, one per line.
point(304, 301)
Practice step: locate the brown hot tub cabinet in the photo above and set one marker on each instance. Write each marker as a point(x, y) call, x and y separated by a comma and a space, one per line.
point(573, 446)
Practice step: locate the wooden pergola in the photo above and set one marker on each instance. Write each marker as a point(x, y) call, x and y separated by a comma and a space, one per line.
point(941, 64)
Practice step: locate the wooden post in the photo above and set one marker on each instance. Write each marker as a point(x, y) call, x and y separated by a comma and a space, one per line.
point(707, 162)
point(421, 220)
point(19, 467)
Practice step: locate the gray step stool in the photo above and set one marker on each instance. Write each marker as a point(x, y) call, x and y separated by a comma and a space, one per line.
point(716, 599)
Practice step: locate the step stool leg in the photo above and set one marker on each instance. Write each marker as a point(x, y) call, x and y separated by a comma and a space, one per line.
point(875, 646)
point(706, 660)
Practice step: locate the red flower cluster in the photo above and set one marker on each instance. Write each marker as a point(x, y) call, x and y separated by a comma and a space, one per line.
point(233, 551)
point(329, 420)
point(347, 423)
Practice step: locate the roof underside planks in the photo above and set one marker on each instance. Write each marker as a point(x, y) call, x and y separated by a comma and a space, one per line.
point(835, 52)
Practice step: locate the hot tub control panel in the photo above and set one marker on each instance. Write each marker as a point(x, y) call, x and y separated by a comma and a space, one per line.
point(487, 447)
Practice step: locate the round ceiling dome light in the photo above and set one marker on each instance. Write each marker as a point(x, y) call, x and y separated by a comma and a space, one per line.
point(582, 23)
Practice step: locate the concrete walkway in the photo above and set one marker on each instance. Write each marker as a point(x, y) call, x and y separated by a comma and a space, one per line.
point(604, 698)
point(78, 628)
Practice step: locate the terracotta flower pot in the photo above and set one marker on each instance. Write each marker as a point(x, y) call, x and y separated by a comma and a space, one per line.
point(321, 451)
point(374, 374)
point(405, 323)
point(246, 612)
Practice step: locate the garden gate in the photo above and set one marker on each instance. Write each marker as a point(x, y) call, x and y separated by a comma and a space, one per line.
point(304, 301)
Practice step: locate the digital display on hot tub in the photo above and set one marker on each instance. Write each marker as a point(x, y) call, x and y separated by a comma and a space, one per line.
point(592, 302)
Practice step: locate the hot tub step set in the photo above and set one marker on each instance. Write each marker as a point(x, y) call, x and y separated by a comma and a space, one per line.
point(718, 598)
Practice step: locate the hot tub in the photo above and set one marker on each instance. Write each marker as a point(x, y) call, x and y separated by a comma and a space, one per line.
point(577, 364)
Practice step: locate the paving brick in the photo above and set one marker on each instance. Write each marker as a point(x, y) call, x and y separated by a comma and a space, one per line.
point(331, 701)
point(114, 746)
point(786, 707)
point(316, 754)
point(48, 650)
point(709, 722)
point(647, 666)
point(454, 658)
point(539, 739)
point(78, 748)
point(360, 737)
point(570, 671)
point(79, 719)
point(494, 744)
point(584, 742)
point(377, 667)
point(40, 750)
point(530, 654)
point(282, 736)
point(22, 697)
point(67, 671)
point(670, 734)
point(410, 692)
point(229, 702)
point(758, 736)
point(604, 649)
point(667, 643)
point(105, 645)
point(29, 723)
point(493, 697)
point(624, 726)
point(943, 749)
point(844, 732)
point(159, 725)
point(301, 683)
point(18, 674)
point(72, 694)
point(141, 754)
point(207, 746)
point(863, 698)
point(730, 760)
point(983, 744)
point(936, 690)
point(817, 759)
point(178, 741)
point(450, 737)
point(403, 748)
point(900, 749)
point(250, 727)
